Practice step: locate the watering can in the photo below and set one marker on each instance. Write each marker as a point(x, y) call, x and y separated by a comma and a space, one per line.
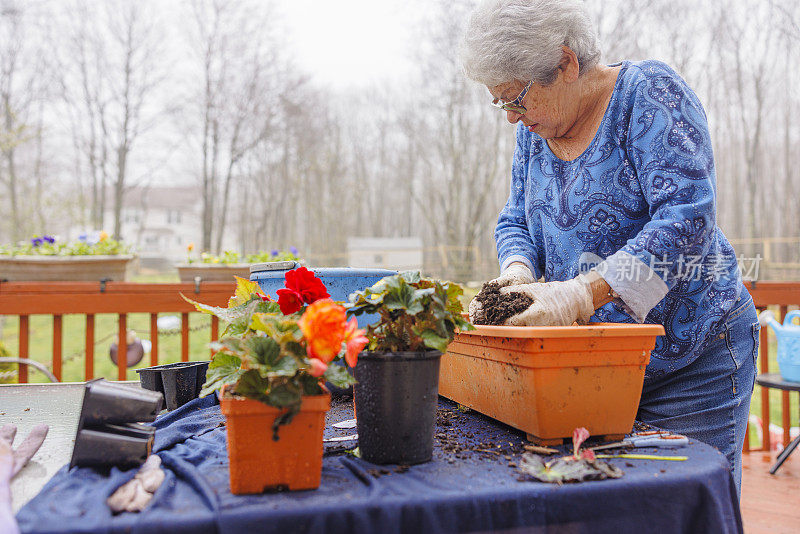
point(788, 335)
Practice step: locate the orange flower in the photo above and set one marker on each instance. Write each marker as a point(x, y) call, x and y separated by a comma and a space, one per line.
point(323, 326)
point(190, 247)
point(355, 341)
point(103, 235)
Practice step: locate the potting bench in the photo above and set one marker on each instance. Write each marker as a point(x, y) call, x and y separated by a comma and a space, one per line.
point(472, 484)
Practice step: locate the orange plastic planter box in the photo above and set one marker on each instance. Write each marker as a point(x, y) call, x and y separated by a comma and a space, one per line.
point(547, 381)
point(256, 462)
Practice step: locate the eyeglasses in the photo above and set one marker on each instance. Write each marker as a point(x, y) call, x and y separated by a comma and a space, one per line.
point(516, 104)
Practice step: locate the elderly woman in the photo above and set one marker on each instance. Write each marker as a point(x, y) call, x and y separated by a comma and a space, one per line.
point(613, 167)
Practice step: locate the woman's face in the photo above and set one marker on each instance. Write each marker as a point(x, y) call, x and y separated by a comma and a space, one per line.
point(548, 111)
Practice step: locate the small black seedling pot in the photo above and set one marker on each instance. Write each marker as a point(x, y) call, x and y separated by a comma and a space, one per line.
point(106, 402)
point(150, 378)
point(179, 382)
point(107, 432)
point(119, 445)
point(396, 396)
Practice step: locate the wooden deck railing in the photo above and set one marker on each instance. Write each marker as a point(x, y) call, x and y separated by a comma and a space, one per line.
point(24, 299)
point(783, 295)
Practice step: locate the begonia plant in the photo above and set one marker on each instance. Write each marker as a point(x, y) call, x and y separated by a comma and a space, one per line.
point(277, 353)
point(415, 313)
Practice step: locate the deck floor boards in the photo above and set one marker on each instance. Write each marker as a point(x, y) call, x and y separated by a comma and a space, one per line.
point(770, 503)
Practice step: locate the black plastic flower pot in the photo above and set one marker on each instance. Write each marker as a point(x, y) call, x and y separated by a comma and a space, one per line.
point(179, 382)
point(113, 445)
point(107, 403)
point(336, 391)
point(150, 378)
point(108, 431)
point(396, 396)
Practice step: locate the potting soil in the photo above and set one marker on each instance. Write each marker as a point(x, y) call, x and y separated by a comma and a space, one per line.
point(496, 308)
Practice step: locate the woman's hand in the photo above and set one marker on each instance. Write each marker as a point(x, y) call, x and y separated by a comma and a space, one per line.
point(554, 303)
point(515, 274)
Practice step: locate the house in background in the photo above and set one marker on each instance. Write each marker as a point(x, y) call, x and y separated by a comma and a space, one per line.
point(398, 253)
point(160, 222)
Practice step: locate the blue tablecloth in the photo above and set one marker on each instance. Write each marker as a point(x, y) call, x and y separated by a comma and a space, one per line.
point(472, 485)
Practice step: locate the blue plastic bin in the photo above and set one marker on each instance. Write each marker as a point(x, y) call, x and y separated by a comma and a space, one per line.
point(340, 281)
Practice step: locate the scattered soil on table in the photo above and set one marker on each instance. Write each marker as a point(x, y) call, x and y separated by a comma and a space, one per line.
point(456, 444)
point(639, 426)
point(496, 307)
point(382, 471)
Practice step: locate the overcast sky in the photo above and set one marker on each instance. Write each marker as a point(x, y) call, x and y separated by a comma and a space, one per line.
point(351, 42)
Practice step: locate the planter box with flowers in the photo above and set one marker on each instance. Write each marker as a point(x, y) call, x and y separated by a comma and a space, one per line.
point(91, 258)
point(269, 370)
point(226, 266)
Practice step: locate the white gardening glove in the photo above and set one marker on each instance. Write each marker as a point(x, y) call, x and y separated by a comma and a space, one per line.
point(135, 494)
point(11, 462)
point(554, 303)
point(515, 274)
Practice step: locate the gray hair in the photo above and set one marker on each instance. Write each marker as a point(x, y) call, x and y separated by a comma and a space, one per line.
point(508, 40)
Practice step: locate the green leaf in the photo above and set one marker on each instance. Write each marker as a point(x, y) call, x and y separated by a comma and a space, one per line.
point(400, 295)
point(412, 277)
point(264, 350)
point(310, 384)
point(268, 306)
point(434, 341)
point(252, 384)
point(338, 376)
point(232, 344)
point(224, 369)
point(286, 366)
point(453, 292)
point(284, 395)
point(245, 291)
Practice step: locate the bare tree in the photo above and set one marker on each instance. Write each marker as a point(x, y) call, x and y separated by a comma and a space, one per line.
point(113, 68)
point(244, 74)
point(463, 150)
point(22, 83)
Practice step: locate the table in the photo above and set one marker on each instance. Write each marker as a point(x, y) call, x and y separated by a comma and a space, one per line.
point(774, 380)
point(471, 485)
point(56, 405)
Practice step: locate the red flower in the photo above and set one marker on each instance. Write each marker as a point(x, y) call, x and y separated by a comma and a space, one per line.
point(355, 342)
point(289, 301)
point(306, 284)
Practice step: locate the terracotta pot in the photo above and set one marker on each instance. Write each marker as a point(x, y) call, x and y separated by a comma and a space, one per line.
point(257, 462)
point(547, 381)
point(65, 268)
point(213, 272)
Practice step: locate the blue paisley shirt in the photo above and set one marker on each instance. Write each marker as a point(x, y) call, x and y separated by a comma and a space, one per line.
point(639, 205)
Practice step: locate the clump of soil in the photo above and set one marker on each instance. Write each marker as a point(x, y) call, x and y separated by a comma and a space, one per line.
point(496, 307)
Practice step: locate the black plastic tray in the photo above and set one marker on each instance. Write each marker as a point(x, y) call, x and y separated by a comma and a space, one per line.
point(178, 382)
